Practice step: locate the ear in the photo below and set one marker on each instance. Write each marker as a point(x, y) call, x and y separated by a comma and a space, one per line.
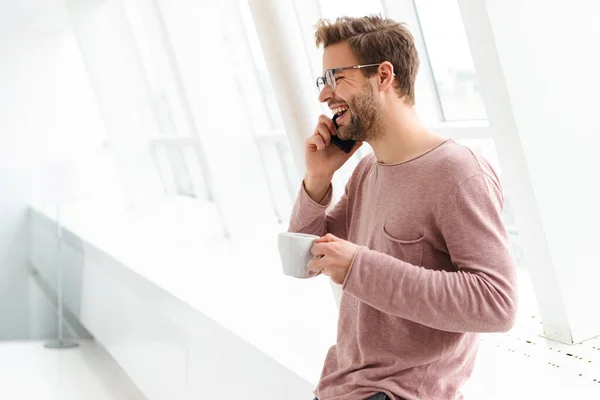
point(386, 75)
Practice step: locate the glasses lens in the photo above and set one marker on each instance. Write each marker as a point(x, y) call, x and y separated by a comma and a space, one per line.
point(320, 84)
point(330, 78)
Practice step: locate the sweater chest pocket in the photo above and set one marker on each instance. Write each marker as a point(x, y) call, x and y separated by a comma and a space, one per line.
point(403, 239)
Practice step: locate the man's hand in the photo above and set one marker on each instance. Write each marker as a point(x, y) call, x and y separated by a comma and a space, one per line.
point(322, 157)
point(334, 256)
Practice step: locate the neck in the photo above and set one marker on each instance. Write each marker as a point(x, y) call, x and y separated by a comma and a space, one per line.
point(404, 136)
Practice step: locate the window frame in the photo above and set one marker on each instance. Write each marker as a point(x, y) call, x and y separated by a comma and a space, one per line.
point(406, 10)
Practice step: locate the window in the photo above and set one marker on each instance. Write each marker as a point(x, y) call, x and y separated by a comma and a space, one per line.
point(259, 66)
point(332, 9)
point(450, 58)
point(255, 87)
point(218, 58)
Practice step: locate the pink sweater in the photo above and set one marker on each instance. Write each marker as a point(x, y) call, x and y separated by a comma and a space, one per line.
point(435, 269)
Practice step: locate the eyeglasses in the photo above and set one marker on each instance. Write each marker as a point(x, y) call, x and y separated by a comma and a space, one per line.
point(329, 78)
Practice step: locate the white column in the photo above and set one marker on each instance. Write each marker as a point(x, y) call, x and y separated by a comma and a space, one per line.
point(289, 69)
point(537, 64)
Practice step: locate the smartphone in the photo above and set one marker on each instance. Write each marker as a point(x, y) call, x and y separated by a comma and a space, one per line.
point(345, 145)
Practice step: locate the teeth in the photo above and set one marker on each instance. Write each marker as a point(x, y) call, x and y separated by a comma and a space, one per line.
point(339, 110)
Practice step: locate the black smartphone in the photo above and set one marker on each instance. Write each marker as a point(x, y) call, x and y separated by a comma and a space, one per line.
point(345, 145)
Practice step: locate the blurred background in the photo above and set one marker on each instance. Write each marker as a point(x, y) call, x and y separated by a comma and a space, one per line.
point(145, 164)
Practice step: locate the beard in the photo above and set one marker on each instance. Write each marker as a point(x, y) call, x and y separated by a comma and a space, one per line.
point(366, 122)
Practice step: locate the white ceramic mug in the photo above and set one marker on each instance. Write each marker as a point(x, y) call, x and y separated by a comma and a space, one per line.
point(294, 251)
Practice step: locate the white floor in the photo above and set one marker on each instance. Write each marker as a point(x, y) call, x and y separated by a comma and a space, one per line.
point(28, 371)
point(521, 364)
point(517, 365)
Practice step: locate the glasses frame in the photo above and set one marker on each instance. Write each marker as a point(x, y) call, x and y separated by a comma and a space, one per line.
point(329, 77)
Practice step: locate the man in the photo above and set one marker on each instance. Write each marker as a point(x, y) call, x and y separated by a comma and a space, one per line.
point(416, 241)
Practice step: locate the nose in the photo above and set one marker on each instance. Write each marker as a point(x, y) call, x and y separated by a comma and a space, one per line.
point(325, 94)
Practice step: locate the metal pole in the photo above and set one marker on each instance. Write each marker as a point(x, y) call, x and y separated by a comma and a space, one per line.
point(60, 342)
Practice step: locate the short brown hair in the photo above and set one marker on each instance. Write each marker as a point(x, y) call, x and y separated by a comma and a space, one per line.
point(375, 39)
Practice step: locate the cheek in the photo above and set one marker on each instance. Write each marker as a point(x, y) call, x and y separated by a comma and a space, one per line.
point(342, 95)
point(345, 92)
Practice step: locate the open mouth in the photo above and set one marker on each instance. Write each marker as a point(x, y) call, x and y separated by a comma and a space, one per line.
point(340, 112)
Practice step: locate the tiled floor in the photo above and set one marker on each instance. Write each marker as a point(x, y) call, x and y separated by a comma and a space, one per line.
point(28, 371)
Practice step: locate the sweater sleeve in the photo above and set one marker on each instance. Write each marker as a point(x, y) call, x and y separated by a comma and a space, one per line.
point(480, 296)
point(311, 217)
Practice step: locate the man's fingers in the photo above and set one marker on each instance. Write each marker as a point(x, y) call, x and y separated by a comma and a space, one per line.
point(323, 131)
point(316, 265)
point(318, 250)
point(317, 141)
point(322, 134)
point(321, 137)
point(327, 238)
point(324, 119)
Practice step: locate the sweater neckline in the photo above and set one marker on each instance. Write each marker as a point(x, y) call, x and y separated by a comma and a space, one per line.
point(380, 164)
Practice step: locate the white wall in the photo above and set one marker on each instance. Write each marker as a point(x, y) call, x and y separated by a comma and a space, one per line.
point(43, 105)
point(555, 96)
point(538, 62)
